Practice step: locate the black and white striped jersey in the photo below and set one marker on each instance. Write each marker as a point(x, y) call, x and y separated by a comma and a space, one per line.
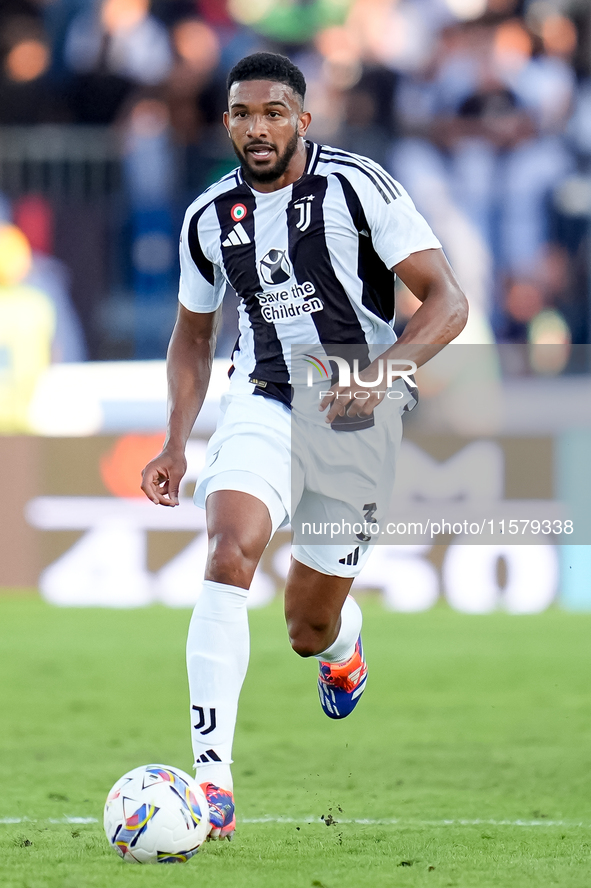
point(310, 263)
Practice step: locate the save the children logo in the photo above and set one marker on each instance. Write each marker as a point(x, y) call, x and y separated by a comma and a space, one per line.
point(275, 267)
point(295, 301)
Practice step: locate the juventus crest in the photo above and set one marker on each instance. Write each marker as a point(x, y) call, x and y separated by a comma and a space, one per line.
point(305, 207)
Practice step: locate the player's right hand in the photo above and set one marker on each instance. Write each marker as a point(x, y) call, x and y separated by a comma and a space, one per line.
point(161, 479)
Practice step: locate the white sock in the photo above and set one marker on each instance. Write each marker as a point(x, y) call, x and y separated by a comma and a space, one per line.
point(343, 647)
point(217, 658)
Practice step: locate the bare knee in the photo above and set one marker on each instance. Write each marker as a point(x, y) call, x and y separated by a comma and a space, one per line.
point(231, 561)
point(311, 638)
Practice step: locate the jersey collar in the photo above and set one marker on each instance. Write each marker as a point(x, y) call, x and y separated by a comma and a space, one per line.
point(312, 149)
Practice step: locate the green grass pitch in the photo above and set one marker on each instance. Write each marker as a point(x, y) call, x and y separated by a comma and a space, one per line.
point(473, 739)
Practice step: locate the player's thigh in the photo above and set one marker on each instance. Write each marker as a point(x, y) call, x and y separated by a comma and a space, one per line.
point(241, 517)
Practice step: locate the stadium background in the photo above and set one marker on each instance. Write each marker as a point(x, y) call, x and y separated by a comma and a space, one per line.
point(468, 764)
point(110, 125)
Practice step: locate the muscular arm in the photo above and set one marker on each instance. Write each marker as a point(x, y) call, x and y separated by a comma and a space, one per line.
point(443, 312)
point(439, 319)
point(188, 367)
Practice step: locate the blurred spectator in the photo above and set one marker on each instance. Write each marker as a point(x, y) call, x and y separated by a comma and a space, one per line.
point(368, 127)
point(27, 323)
point(34, 217)
point(111, 48)
point(480, 107)
point(579, 128)
point(26, 94)
point(197, 54)
point(196, 96)
point(334, 68)
point(489, 114)
point(147, 157)
point(57, 18)
point(400, 35)
point(289, 23)
point(149, 179)
point(214, 12)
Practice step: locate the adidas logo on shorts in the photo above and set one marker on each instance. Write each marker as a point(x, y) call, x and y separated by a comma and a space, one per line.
point(351, 559)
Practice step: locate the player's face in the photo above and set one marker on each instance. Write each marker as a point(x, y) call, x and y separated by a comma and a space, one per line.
point(265, 122)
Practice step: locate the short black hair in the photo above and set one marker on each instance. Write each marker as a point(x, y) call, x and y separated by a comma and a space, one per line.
point(269, 66)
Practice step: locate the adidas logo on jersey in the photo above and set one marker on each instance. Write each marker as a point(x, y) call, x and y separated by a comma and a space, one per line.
point(237, 237)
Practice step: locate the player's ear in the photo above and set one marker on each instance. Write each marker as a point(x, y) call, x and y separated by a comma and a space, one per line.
point(304, 121)
point(226, 119)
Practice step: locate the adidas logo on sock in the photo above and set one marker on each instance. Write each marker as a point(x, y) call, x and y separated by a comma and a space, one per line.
point(237, 237)
point(209, 756)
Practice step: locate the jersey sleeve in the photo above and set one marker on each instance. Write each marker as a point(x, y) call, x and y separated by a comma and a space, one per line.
point(202, 284)
point(397, 227)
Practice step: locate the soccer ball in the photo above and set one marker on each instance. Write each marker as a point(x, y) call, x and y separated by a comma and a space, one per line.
point(156, 814)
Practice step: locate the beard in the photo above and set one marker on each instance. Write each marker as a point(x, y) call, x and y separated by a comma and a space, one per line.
point(273, 173)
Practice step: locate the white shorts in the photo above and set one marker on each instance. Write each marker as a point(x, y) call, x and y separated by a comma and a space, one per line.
point(251, 451)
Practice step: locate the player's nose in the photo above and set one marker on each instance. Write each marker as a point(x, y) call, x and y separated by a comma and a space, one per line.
point(258, 128)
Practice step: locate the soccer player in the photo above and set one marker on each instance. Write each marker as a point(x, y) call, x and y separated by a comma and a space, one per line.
point(310, 238)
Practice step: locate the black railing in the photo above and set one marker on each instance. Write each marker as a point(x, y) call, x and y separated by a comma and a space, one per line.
point(60, 161)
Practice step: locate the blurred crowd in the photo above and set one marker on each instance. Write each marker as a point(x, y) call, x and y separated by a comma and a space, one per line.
point(481, 108)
